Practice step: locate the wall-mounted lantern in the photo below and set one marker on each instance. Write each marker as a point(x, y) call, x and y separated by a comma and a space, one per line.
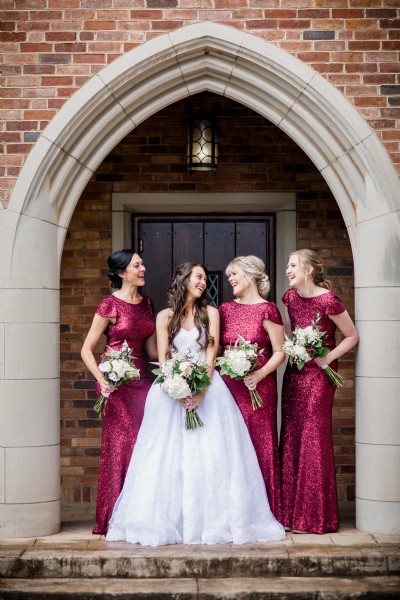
point(202, 141)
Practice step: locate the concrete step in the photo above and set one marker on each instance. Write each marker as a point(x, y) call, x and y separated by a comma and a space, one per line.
point(239, 588)
point(259, 560)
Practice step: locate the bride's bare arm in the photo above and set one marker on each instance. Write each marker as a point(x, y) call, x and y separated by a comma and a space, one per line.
point(162, 334)
point(211, 352)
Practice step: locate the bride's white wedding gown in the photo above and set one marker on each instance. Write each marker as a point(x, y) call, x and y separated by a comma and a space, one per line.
point(201, 486)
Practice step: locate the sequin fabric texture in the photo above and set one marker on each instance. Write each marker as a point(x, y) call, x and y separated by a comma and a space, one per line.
point(247, 320)
point(124, 409)
point(309, 498)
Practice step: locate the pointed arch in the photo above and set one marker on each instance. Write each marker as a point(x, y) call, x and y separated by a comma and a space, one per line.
point(232, 63)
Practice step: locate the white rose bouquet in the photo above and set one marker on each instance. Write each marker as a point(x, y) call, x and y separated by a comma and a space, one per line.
point(117, 367)
point(307, 343)
point(181, 376)
point(238, 361)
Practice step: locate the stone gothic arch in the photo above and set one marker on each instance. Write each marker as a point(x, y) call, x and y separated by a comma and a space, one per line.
point(203, 56)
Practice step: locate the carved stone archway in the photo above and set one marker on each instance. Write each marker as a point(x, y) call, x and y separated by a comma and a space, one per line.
point(232, 63)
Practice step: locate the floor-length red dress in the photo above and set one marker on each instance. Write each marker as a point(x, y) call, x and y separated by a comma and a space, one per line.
point(123, 412)
point(309, 498)
point(247, 320)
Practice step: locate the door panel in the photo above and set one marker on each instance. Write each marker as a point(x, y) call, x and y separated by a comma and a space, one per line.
point(251, 239)
point(187, 243)
point(214, 240)
point(157, 257)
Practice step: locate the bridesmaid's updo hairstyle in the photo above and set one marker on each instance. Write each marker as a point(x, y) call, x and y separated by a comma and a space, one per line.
point(117, 263)
point(252, 267)
point(177, 296)
point(309, 258)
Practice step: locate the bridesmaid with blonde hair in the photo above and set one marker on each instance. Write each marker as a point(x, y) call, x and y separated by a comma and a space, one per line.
point(309, 499)
point(256, 319)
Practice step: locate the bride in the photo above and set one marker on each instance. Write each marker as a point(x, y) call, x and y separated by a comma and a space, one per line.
point(201, 486)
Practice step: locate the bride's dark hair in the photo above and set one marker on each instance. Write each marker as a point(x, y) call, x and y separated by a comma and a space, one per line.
point(177, 296)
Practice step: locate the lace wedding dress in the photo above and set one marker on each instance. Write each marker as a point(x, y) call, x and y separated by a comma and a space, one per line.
point(201, 486)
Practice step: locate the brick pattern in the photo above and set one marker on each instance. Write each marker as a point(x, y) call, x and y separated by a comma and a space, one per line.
point(254, 155)
point(50, 48)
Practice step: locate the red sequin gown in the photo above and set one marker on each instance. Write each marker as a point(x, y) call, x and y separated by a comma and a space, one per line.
point(124, 408)
point(309, 499)
point(247, 320)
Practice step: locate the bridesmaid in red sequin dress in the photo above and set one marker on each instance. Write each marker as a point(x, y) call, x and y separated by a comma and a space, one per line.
point(309, 499)
point(124, 315)
point(257, 320)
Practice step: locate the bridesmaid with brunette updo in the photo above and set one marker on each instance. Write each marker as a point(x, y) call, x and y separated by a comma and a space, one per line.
point(124, 315)
point(257, 320)
point(309, 499)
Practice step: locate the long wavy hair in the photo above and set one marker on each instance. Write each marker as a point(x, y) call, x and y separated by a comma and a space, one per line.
point(177, 298)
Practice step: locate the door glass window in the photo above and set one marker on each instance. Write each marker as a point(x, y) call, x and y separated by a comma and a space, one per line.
point(214, 288)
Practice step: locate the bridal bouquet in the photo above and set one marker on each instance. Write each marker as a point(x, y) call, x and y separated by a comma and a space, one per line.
point(118, 367)
point(307, 343)
point(181, 376)
point(238, 361)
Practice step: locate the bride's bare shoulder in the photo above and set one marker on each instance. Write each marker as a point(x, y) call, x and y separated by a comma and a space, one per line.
point(164, 315)
point(212, 312)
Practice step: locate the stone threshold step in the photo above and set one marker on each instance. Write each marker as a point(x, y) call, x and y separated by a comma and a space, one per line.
point(222, 562)
point(241, 588)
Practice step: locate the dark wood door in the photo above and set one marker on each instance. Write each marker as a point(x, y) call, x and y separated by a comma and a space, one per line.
point(166, 242)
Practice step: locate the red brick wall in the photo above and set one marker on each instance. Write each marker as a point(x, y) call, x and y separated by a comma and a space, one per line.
point(254, 155)
point(50, 48)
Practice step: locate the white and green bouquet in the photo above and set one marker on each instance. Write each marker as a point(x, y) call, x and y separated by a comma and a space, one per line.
point(182, 376)
point(307, 343)
point(117, 367)
point(238, 360)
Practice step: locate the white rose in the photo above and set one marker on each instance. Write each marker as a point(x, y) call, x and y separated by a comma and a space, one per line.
point(186, 368)
point(119, 367)
point(309, 330)
point(166, 369)
point(239, 364)
point(312, 336)
point(176, 387)
point(300, 336)
point(301, 353)
point(288, 347)
point(105, 367)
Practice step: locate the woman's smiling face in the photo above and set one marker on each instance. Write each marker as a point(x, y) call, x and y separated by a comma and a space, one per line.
point(197, 282)
point(134, 272)
point(239, 281)
point(295, 271)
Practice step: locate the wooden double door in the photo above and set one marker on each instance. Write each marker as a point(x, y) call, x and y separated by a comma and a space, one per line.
point(166, 242)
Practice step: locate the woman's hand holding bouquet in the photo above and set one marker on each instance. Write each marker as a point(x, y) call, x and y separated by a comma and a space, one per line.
point(182, 377)
point(238, 361)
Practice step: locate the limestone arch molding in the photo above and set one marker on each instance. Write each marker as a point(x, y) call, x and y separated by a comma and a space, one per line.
point(229, 62)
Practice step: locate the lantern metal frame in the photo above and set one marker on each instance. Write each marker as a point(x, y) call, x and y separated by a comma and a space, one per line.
point(202, 139)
